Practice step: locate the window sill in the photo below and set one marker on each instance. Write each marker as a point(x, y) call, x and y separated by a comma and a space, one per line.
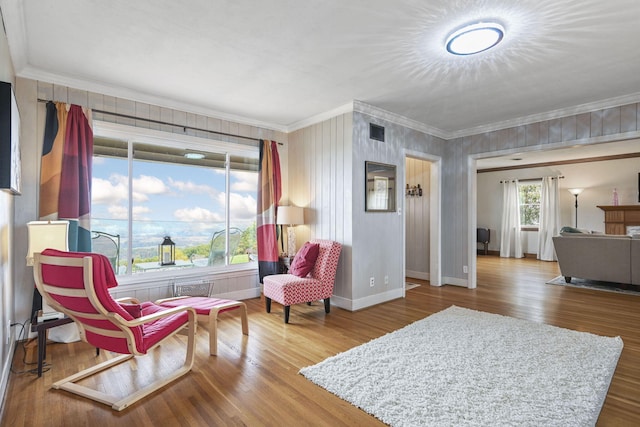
point(529, 228)
point(191, 273)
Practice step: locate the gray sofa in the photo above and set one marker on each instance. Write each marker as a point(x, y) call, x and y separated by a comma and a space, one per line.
point(602, 257)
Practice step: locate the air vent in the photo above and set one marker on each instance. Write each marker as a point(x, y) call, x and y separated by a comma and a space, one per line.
point(376, 132)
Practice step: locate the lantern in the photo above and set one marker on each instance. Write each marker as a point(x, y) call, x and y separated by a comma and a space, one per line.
point(167, 252)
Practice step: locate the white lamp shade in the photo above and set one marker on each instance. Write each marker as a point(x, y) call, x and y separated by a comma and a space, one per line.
point(47, 234)
point(575, 191)
point(290, 215)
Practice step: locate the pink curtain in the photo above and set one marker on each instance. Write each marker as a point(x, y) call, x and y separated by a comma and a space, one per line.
point(65, 174)
point(269, 193)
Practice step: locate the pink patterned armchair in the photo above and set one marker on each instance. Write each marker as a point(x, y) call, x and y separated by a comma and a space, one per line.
point(288, 289)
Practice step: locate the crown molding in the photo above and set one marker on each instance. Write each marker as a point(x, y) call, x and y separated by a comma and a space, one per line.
point(389, 116)
point(318, 118)
point(554, 114)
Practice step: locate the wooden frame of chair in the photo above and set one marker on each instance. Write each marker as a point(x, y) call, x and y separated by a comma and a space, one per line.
point(210, 319)
point(124, 332)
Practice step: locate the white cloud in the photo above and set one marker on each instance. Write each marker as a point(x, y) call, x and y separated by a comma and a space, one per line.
point(149, 185)
point(197, 215)
point(190, 187)
point(118, 212)
point(108, 192)
point(114, 190)
point(121, 212)
point(146, 185)
point(139, 212)
point(242, 207)
point(244, 181)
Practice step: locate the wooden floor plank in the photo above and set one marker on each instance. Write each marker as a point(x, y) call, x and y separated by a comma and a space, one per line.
point(254, 380)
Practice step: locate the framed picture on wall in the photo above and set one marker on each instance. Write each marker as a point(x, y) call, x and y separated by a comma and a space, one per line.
point(10, 160)
point(380, 187)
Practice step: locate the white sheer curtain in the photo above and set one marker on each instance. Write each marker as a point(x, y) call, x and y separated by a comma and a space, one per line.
point(510, 239)
point(549, 218)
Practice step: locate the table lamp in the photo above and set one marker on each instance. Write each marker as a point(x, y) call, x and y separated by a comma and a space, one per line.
point(43, 235)
point(290, 216)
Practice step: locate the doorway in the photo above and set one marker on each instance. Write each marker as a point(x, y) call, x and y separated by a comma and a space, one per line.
point(422, 218)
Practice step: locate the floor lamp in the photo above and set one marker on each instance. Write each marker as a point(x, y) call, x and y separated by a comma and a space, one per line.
point(290, 216)
point(576, 192)
point(44, 235)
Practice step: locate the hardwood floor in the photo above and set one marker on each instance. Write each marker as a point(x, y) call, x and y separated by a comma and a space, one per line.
point(254, 380)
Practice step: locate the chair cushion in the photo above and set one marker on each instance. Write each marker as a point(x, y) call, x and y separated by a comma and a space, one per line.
point(135, 310)
point(305, 259)
point(202, 305)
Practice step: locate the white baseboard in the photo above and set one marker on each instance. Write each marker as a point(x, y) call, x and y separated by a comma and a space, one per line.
point(417, 275)
point(455, 281)
point(359, 304)
point(6, 370)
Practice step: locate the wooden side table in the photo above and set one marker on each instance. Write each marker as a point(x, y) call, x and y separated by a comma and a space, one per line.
point(41, 329)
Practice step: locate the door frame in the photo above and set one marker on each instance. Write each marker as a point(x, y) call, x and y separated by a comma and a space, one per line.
point(435, 220)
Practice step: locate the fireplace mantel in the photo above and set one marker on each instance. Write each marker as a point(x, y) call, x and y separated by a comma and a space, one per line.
point(618, 218)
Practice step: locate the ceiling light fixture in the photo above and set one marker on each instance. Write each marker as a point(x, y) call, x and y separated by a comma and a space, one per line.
point(194, 156)
point(475, 38)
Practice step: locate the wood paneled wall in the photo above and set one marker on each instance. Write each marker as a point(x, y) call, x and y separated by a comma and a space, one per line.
point(417, 210)
point(181, 119)
point(320, 164)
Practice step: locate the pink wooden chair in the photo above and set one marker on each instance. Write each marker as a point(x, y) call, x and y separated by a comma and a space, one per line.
point(77, 284)
point(288, 289)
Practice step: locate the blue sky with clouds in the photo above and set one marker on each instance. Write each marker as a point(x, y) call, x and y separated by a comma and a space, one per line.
point(169, 199)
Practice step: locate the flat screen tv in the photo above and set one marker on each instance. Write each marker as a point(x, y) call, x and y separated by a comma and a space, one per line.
point(10, 174)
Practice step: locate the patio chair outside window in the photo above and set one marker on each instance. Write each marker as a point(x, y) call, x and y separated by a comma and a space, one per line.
point(218, 246)
point(108, 245)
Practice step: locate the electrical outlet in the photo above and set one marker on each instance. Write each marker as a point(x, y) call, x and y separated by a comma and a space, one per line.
point(372, 281)
point(386, 280)
point(465, 269)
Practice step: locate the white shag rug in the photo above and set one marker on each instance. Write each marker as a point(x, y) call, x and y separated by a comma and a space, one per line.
point(461, 367)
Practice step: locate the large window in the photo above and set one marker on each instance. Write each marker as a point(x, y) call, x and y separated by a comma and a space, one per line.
point(148, 185)
point(530, 204)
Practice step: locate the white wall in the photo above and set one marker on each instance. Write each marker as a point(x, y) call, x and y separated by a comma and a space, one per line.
point(7, 334)
point(597, 178)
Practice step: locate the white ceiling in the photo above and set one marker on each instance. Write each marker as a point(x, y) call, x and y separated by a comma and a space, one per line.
point(280, 63)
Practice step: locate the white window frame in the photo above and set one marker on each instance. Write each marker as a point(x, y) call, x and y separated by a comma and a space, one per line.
point(168, 139)
point(538, 182)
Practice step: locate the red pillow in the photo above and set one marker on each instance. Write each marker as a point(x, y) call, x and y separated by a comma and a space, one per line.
point(305, 260)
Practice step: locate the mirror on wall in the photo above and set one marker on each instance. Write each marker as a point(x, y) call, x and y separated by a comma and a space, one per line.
point(380, 187)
